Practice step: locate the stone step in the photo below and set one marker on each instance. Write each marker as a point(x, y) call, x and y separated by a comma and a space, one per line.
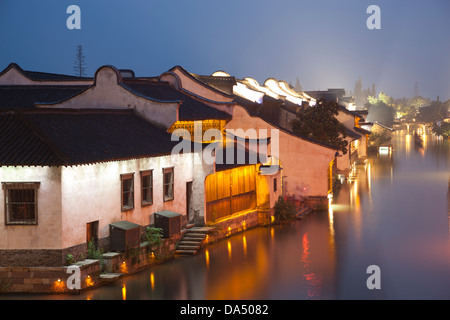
point(190, 243)
point(203, 230)
point(186, 252)
point(110, 276)
point(195, 235)
point(188, 247)
point(187, 238)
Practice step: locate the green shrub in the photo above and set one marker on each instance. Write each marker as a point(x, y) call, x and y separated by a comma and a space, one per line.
point(69, 259)
point(153, 235)
point(283, 210)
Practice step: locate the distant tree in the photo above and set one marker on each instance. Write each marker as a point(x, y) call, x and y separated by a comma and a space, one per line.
point(436, 111)
point(379, 136)
point(373, 92)
point(298, 86)
point(416, 89)
point(441, 128)
point(359, 94)
point(381, 112)
point(320, 123)
point(418, 102)
point(382, 97)
point(80, 62)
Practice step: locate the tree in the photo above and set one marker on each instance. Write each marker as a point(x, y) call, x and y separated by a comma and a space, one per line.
point(320, 123)
point(418, 102)
point(381, 112)
point(416, 89)
point(359, 94)
point(441, 128)
point(80, 62)
point(436, 111)
point(298, 86)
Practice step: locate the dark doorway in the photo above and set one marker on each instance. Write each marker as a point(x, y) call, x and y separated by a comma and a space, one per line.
point(188, 200)
point(92, 233)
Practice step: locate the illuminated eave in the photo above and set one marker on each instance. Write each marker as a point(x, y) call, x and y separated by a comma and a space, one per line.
point(255, 85)
point(247, 93)
point(221, 74)
point(274, 86)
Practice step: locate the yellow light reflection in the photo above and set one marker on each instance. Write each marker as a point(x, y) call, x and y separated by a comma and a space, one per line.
point(152, 280)
point(124, 292)
point(408, 143)
point(331, 238)
point(207, 258)
point(229, 249)
point(331, 217)
point(244, 244)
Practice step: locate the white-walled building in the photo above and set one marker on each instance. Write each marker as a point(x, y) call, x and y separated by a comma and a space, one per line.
point(67, 174)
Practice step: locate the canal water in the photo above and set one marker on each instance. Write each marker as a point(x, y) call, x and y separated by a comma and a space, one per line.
point(393, 213)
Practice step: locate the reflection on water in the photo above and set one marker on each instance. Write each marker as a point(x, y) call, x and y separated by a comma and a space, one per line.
point(392, 213)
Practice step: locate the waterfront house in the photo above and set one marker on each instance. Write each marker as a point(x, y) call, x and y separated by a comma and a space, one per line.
point(306, 164)
point(164, 102)
point(67, 174)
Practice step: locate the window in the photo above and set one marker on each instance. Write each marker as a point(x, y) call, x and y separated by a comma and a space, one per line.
point(168, 183)
point(127, 181)
point(275, 185)
point(21, 203)
point(146, 187)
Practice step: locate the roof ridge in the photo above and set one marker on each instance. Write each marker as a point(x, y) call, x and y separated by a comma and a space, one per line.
point(74, 110)
point(189, 74)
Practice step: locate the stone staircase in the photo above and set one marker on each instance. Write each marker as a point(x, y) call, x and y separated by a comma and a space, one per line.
point(303, 213)
point(192, 240)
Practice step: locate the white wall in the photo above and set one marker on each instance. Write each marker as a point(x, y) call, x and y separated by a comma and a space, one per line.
point(47, 233)
point(71, 197)
point(93, 192)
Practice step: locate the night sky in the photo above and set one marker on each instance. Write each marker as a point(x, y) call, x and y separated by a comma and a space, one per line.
point(325, 43)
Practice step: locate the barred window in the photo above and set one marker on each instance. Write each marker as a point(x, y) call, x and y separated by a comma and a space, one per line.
point(168, 184)
point(127, 182)
point(21, 203)
point(146, 187)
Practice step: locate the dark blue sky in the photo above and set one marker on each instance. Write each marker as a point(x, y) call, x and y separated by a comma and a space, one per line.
point(325, 43)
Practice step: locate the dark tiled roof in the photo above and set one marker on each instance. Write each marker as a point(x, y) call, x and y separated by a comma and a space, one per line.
point(327, 95)
point(190, 109)
point(352, 134)
point(50, 137)
point(224, 84)
point(39, 76)
point(27, 96)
